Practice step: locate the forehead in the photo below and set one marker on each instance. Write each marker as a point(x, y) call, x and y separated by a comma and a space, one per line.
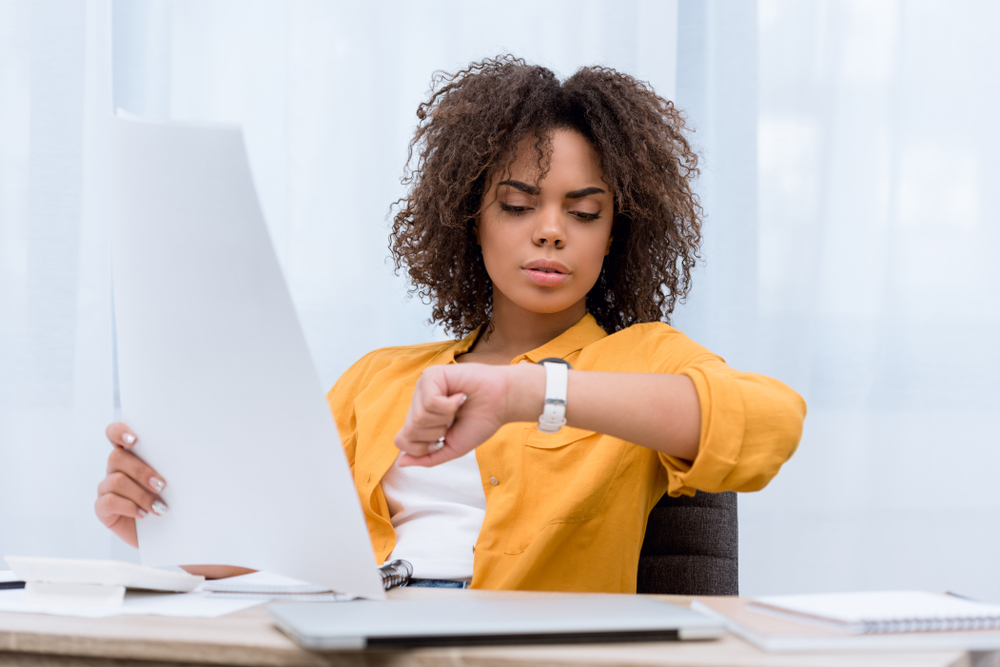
point(573, 162)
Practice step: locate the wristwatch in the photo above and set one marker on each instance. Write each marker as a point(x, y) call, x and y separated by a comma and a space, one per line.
point(553, 415)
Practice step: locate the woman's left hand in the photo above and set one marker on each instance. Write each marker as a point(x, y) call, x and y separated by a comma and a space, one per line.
point(464, 404)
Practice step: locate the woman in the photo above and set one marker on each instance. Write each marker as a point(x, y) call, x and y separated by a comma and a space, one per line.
point(545, 220)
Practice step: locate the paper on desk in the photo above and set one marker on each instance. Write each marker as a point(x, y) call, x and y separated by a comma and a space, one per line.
point(196, 604)
point(266, 586)
point(262, 582)
point(215, 376)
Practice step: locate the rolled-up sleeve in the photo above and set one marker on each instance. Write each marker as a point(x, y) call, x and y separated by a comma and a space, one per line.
point(751, 424)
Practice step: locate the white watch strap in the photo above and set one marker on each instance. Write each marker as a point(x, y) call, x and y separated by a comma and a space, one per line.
point(556, 383)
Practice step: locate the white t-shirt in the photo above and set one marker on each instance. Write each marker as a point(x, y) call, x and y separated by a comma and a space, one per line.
point(437, 513)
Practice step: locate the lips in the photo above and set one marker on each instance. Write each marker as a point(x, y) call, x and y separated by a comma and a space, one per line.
point(546, 265)
point(546, 272)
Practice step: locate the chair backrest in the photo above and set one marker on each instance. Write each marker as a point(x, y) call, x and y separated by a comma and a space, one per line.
point(691, 546)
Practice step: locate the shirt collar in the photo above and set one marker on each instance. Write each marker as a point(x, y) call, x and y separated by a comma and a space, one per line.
point(461, 346)
point(574, 339)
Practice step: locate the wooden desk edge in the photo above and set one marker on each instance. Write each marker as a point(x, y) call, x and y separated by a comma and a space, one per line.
point(248, 638)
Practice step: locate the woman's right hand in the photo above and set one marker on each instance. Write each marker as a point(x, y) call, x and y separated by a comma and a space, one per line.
point(129, 491)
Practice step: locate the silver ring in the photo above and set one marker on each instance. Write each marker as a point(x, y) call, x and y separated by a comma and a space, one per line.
point(437, 446)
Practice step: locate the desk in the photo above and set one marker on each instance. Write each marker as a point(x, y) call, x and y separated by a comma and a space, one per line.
point(248, 638)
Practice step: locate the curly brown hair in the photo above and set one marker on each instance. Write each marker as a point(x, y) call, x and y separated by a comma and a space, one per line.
point(469, 130)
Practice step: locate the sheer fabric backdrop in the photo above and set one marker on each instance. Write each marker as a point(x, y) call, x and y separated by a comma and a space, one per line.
point(846, 149)
point(55, 308)
point(326, 93)
point(879, 294)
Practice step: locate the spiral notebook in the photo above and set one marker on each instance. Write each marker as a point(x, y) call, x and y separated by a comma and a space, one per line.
point(889, 620)
point(885, 611)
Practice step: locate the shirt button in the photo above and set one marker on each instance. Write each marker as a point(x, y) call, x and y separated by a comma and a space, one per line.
point(494, 481)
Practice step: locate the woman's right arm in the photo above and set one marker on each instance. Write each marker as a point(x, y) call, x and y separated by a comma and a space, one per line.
point(130, 492)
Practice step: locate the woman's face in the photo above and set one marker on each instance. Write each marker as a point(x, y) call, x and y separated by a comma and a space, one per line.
point(544, 240)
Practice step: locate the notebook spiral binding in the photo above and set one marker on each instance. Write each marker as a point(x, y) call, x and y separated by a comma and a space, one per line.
point(931, 625)
point(396, 573)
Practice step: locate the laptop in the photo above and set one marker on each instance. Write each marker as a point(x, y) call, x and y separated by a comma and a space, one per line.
point(549, 619)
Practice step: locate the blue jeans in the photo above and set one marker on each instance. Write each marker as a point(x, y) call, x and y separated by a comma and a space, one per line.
point(437, 583)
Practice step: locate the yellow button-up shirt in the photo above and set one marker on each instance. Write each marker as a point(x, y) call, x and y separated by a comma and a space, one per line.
point(567, 511)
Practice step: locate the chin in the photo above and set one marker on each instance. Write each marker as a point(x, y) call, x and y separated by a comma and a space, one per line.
point(546, 306)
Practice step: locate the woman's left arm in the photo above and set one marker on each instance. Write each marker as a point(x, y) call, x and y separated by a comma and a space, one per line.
point(657, 411)
point(653, 410)
point(715, 428)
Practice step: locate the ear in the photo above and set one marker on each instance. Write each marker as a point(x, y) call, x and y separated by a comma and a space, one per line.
point(607, 250)
point(475, 231)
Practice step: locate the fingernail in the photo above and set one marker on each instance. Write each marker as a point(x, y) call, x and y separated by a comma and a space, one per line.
point(128, 438)
point(142, 513)
point(159, 508)
point(156, 484)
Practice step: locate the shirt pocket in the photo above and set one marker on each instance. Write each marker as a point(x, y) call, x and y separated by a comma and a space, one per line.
point(564, 479)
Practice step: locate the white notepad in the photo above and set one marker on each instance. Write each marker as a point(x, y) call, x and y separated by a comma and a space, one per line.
point(885, 611)
point(101, 573)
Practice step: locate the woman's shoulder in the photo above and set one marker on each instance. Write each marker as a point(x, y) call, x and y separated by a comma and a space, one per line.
point(661, 332)
point(649, 346)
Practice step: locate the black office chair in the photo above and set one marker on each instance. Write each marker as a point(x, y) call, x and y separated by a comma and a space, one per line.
point(691, 546)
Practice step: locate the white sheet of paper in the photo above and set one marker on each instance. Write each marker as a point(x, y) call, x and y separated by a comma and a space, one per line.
point(214, 373)
point(270, 587)
point(262, 582)
point(196, 603)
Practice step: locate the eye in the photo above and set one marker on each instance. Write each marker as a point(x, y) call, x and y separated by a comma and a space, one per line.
point(586, 216)
point(513, 210)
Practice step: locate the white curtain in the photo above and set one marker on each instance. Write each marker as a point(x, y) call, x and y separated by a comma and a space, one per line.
point(869, 283)
point(326, 93)
point(55, 311)
point(850, 233)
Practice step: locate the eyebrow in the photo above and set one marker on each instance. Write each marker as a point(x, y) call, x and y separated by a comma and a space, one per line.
point(583, 192)
point(522, 186)
point(534, 189)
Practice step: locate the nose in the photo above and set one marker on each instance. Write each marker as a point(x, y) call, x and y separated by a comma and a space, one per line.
point(550, 229)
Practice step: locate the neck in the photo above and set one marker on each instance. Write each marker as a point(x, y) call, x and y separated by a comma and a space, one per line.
point(516, 330)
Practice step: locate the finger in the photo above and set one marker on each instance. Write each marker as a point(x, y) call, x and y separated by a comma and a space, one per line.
point(110, 506)
point(429, 459)
point(443, 406)
point(412, 446)
point(120, 435)
point(428, 435)
point(453, 403)
point(429, 432)
point(432, 413)
point(120, 484)
point(413, 438)
point(122, 460)
point(427, 427)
